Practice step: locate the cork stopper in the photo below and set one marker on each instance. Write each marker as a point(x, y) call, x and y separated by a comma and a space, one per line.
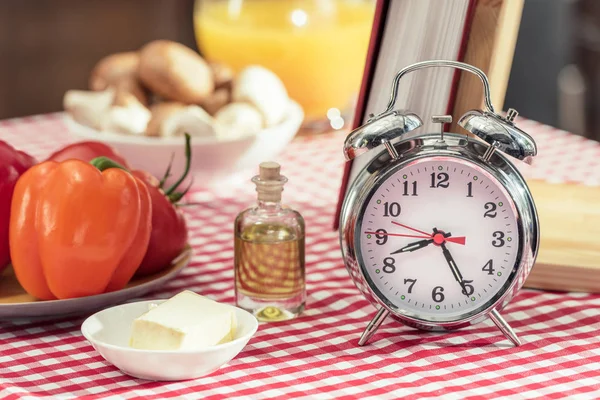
point(269, 171)
point(269, 182)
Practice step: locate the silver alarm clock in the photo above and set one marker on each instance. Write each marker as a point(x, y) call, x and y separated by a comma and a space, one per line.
point(439, 230)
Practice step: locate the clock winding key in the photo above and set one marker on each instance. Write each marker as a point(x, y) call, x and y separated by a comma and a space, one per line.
point(442, 120)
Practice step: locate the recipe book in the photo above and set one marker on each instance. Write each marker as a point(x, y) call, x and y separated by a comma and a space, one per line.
point(479, 32)
point(408, 31)
point(482, 33)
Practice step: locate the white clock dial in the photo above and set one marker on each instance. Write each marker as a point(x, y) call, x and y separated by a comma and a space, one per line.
point(439, 238)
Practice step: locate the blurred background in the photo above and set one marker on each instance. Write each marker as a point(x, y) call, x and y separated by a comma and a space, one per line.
point(49, 46)
point(555, 78)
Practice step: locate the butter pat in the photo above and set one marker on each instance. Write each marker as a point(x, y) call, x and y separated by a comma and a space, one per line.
point(186, 321)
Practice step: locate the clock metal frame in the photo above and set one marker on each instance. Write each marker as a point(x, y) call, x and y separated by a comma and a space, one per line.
point(493, 134)
point(465, 150)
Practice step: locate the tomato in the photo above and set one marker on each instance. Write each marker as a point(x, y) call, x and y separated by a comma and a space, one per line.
point(87, 151)
point(169, 230)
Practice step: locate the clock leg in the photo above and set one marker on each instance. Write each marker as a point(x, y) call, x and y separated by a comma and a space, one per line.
point(373, 326)
point(504, 327)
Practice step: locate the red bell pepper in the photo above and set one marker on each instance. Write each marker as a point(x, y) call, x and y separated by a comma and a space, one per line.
point(169, 230)
point(13, 164)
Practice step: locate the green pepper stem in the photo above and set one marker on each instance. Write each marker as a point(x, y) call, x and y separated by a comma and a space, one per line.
point(188, 162)
point(104, 163)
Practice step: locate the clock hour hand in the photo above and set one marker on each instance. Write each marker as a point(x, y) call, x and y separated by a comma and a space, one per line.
point(414, 246)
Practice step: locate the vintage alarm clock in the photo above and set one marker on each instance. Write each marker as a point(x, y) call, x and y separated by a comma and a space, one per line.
point(439, 230)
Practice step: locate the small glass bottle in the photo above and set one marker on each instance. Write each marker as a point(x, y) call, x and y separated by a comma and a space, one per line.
point(269, 252)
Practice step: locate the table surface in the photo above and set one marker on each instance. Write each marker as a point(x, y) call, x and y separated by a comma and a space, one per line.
point(316, 355)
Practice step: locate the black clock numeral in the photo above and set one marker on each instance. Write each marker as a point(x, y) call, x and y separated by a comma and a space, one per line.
point(391, 209)
point(439, 180)
point(437, 294)
point(381, 236)
point(412, 283)
point(468, 289)
point(499, 239)
point(388, 265)
point(470, 189)
point(406, 187)
point(490, 210)
point(489, 267)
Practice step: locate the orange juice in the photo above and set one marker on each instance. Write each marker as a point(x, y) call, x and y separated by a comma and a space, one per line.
point(317, 47)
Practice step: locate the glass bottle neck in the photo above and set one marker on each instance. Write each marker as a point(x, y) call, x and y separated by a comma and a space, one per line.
point(269, 206)
point(269, 192)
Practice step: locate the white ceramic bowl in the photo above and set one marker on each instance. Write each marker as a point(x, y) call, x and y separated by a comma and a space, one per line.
point(108, 331)
point(212, 159)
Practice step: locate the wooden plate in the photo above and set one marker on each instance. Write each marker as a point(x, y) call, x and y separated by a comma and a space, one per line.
point(16, 303)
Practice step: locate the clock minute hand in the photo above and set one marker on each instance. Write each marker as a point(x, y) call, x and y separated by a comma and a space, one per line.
point(455, 270)
point(452, 264)
point(414, 246)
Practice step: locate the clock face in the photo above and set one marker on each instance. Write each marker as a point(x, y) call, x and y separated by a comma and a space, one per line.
point(439, 239)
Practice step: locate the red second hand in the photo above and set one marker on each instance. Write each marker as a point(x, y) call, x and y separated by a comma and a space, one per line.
point(458, 240)
point(412, 229)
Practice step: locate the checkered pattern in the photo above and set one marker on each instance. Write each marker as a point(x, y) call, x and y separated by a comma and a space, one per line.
point(316, 356)
point(562, 157)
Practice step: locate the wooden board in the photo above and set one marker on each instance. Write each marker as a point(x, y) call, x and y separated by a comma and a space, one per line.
point(569, 257)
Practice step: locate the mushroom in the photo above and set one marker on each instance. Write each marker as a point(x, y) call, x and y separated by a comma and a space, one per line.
point(126, 115)
point(216, 101)
point(175, 72)
point(263, 89)
point(160, 112)
point(192, 120)
point(237, 120)
point(222, 75)
point(119, 70)
point(134, 87)
point(114, 68)
point(88, 107)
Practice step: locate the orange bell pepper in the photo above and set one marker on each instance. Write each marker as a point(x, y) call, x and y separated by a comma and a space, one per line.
point(77, 230)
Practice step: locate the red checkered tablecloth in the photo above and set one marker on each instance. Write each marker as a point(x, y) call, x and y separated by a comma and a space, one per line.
point(316, 356)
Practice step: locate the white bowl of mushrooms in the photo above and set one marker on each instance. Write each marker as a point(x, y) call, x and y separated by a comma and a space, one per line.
point(142, 103)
